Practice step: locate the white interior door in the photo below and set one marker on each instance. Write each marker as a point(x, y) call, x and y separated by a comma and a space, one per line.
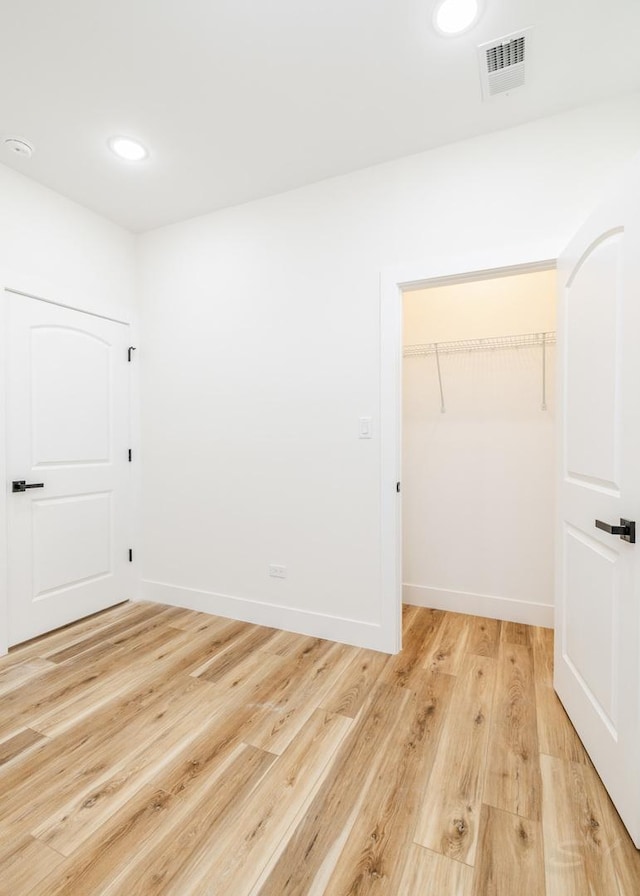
point(598, 589)
point(67, 440)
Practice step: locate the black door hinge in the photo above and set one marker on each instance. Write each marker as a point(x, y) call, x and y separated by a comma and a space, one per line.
point(130, 555)
point(398, 487)
point(130, 455)
point(131, 348)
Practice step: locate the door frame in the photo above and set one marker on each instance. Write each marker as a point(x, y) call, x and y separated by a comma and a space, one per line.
point(393, 282)
point(4, 492)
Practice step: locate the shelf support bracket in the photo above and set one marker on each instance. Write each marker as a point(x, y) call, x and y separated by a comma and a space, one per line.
point(442, 407)
point(544, 371)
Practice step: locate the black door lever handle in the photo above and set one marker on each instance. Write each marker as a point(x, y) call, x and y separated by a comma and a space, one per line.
point(20, 485)
point(626, 530)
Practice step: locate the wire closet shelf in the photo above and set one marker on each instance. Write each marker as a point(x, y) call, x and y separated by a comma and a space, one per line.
point(490, 343)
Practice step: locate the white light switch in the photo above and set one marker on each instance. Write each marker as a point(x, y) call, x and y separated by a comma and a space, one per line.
point(365, 426)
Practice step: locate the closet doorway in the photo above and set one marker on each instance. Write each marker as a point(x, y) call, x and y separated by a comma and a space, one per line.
point(478, 446)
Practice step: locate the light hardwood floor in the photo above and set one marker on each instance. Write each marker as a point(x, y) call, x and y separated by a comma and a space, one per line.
point(152, 750)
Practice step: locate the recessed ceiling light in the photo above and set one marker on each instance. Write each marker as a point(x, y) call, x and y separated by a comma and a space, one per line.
point(128, 149)
point(455, 16)
point(18, 146)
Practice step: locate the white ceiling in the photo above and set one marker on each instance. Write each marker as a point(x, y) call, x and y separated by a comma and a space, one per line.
point(238, 99)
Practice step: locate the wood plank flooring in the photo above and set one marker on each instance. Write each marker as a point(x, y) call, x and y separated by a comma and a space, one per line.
point(153, 750)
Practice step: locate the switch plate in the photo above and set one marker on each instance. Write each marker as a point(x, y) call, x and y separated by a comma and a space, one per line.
point(278, 572)
point(365, 426)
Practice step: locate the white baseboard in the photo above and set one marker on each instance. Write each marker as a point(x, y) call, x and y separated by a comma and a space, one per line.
point(506, 608)
point(316, 625)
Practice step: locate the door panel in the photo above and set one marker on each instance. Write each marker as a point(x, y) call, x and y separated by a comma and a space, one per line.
point(71, 541)
point(68, 429)
point(597, 669)
point(592, 374)
point(591, 607)
point(71, 413)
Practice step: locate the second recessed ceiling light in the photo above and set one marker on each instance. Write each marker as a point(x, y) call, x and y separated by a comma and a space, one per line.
point(128, 149)
point(455, 16)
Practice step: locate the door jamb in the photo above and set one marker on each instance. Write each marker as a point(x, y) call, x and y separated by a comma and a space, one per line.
point(393, 282)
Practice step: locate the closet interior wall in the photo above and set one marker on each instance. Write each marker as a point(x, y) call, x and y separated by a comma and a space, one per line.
point(479, 477)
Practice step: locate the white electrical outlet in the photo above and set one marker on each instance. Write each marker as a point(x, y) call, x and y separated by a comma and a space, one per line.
point(278, 572)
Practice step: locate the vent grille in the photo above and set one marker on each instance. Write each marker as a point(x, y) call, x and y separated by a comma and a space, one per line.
point(505, 55)
point(502, 63)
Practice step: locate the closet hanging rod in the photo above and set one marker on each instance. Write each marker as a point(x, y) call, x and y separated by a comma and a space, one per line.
point(490, 343)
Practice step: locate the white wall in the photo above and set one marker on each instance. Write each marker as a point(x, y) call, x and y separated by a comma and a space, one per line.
point(479, 479)
point(55, 249)
point(262, 349)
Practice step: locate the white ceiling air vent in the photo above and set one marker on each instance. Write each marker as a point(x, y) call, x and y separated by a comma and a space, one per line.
point(503, 63)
